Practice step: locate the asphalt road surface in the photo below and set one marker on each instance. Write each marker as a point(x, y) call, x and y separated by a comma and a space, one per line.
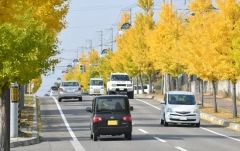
point(66, 128)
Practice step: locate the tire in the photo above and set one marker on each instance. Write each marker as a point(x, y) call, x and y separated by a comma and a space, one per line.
point(80, 99)
point(162, 122)
point(59, 100)
point(131, 95)
point(128, 136)
point(197, 125)
point(95, 138)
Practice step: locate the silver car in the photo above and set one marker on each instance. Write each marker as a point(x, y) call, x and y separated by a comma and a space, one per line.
point(69, 90)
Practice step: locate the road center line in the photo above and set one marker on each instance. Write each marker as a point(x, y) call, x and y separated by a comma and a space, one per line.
point(203, 128)
point(159, 139)
point(75, 143)
point(180, 148)
point(145, 132)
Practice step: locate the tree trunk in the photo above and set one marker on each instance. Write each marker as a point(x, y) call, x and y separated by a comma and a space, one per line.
point(21, 96)
point(162, 84)
point(141, 83)
point(189, 88)
point(150, 83)
point(137, 86)
point(177, 84)
point(5, 119)
point(234, 99)
point(202, 92)
point(215, 96)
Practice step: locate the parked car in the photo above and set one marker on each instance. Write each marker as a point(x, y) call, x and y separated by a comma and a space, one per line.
point(181, 108)
point(54, 91)
point(110, 115)
point(96, 86)
point(120, 83)
point(69, 90)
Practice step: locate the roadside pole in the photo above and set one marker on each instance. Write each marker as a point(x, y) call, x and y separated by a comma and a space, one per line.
point(14, 111)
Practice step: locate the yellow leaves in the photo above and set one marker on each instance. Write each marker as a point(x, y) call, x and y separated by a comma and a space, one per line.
point(146, 5)
point(200, 6)
point(125, 18)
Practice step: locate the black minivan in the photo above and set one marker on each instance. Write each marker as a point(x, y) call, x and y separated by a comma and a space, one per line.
point(110, 115)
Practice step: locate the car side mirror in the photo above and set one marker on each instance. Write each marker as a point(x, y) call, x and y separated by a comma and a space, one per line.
point(131, 108)
point(89, 109)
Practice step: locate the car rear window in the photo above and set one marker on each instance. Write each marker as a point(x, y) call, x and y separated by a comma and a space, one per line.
point(112, 105)
point(96, 82)
point(70, 84)
point(177, 99)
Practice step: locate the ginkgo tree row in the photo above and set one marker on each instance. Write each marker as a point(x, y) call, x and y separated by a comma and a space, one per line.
point(28, 42)
point(204, 42)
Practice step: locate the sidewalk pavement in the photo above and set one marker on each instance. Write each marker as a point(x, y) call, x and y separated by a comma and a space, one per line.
point(25, 141)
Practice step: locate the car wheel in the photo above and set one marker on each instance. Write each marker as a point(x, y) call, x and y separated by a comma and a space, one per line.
point(131, 95)
point(162, 122)
point(59, 100)
point(94, 137)
point(197, 124)
point(128, 136)
point(80, 99)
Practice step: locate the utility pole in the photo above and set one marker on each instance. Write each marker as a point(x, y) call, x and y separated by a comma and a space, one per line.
point(90, 46)
point(101, 40)
point(112, 38)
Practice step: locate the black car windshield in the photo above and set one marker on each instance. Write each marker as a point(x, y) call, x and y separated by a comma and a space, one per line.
point(120, 78)
point(96, 82)
point(177, 99)
point(112, 105)
point(70, 84)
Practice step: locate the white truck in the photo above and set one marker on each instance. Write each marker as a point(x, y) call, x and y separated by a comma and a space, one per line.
point(119, 83)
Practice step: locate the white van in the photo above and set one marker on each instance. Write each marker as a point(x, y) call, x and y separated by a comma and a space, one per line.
point(180, 108)
point(96, 86)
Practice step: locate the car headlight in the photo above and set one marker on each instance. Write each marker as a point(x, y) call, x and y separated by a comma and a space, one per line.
point(196, 111)
point(129, 85)
point(169, 110)
point(114, 85)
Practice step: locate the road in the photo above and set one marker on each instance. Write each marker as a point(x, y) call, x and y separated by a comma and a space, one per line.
point(66, 128)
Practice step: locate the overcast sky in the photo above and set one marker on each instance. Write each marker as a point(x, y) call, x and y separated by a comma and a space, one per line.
point(84, 21)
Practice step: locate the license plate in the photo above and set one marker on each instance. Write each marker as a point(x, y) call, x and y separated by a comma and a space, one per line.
point(112, 122)
point(96, 91)
point(121, 89)
point(183, 118)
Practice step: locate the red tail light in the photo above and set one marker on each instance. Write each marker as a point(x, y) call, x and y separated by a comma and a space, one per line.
point(97, 119)
point(127, 118)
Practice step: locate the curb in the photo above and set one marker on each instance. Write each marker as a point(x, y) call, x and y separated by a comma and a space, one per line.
point(219, 121)
point(35, 139)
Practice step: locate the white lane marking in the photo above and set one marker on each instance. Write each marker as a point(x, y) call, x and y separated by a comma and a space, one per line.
point(220, 134)
point(76, 144)
point(159, 139)
point(206, 129)
point(145, 132)
point(180, 148)
point(148, 104)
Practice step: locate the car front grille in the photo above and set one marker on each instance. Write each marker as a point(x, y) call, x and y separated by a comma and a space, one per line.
point(121, 85)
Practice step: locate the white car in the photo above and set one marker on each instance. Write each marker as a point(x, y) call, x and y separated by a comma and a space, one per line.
point(96, 86)
point(69, 90)
point(180, 108)
point(119, 83)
